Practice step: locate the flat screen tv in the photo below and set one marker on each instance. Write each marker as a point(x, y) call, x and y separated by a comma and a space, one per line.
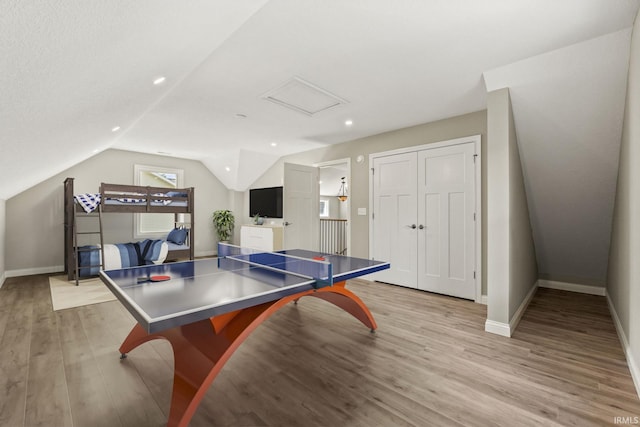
point(266, 202)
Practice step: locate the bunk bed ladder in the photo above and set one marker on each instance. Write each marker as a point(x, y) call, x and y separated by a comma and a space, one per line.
point(76, 245)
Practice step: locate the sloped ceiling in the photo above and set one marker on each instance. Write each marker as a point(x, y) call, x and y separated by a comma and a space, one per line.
point(568, 106)
point(70, 72)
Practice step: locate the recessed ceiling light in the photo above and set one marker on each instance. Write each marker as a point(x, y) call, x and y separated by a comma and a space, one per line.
point(159, 80)
point(319, 182)
point(95, 151)
point(227, 168)
point(348, 122)
point(115, 129)
point(273, 144)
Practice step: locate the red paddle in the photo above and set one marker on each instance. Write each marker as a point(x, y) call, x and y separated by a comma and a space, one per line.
point(159, 278)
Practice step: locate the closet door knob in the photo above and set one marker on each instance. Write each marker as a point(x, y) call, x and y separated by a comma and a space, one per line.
point(421, 227)
point(412, 226)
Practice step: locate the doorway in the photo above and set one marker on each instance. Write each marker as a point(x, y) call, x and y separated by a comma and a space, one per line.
point(335, 212)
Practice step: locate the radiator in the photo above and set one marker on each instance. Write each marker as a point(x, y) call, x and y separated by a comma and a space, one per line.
point(333, 236)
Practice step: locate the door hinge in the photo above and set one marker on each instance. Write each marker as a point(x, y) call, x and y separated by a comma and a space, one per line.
point(474, 158)
point(373, 171)
point(474, 216)
point(474, 274)
point(373, 215)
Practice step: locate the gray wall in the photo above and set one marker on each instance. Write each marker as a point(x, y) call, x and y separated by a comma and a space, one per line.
point(523, 266)
point(35, 217)
point(334, 206)
point(3, 228)
point(623, 281)
point(512, 268)
point(498, 206)
point(237, 206)
point(455, 127)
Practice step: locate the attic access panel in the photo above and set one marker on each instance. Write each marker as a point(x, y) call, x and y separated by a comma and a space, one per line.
point(303, 97)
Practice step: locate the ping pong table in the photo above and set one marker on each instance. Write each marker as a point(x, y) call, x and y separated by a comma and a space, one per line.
point(206, 308)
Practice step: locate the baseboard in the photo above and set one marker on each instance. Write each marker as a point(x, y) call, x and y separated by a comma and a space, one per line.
point(513, 323)
point(497, 328)
point(506, 329)
point(32, 271)
point(483, 300)
point(2, 277)
point(572, 287)
point(633, 367)
point(205, 254)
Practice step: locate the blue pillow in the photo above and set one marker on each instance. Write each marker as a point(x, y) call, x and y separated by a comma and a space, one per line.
point(177, 236)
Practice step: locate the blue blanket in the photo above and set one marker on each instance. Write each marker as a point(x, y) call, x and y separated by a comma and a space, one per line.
point(131, 255)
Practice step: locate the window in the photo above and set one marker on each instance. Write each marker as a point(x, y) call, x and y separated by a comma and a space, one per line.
point(324, 208)
point(155, 225)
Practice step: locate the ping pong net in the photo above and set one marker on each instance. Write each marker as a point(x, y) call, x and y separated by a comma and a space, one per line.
point(238, 259)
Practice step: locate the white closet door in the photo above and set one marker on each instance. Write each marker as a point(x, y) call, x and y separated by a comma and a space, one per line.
point(395, 214)
point(446, 205)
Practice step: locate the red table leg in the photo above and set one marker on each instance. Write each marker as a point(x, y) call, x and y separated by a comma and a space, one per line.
point(202, 348)
point(348, 301)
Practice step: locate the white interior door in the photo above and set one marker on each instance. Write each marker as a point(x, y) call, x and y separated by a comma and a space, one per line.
point(446, 230)
point(395, 218)
point(301, 207)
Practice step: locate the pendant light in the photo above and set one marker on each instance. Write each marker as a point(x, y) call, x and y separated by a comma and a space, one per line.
point(342, 192)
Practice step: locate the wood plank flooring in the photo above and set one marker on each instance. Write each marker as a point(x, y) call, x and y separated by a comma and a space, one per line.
point(429, 364)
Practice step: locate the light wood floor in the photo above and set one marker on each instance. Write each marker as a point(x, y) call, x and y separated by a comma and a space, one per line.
point(429, 364)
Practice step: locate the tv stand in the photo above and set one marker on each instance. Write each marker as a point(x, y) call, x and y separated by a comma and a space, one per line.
point(262, 237)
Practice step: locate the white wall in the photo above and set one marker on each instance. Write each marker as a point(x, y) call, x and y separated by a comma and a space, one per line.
point(511, 261)
point(35, 217)
point(623, 281)
point(3, 228)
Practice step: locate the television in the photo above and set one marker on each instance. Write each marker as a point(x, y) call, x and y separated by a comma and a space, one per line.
point(266, 202)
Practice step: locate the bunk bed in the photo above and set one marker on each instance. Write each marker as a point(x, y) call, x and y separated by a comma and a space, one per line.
point(117, 198)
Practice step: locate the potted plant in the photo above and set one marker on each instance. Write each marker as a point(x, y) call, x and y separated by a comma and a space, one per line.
point(223, 221)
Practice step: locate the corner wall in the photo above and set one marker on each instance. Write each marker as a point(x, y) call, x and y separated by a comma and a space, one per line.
point(511, 261)
point(623, 278)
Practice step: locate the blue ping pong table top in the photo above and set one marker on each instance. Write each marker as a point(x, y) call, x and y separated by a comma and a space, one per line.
point(202, 289)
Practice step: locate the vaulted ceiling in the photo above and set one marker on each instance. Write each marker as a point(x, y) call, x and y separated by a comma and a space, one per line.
point(71, 72)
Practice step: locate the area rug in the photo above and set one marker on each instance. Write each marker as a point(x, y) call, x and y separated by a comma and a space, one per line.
point(65, 294)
